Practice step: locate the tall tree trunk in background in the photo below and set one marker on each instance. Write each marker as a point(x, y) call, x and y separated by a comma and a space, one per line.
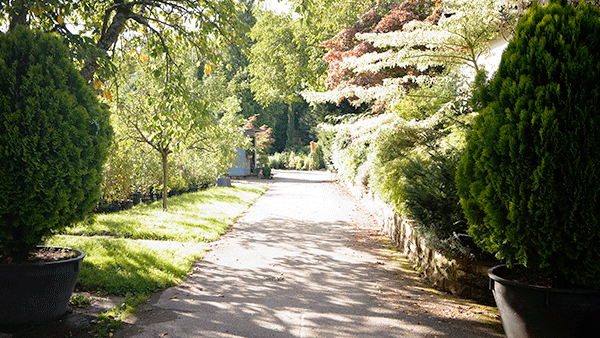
point(19, 15)
point(165, 179)
point(291, 127)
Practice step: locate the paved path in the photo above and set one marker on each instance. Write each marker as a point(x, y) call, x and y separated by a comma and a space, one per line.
point(290, 267)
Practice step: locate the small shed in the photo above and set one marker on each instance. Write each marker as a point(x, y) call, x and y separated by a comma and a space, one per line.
point(245, 165)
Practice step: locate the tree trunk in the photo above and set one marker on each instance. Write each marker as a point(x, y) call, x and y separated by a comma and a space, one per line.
point(19, 15)
point(291, 127)
point(165, 170)
point(106, 41)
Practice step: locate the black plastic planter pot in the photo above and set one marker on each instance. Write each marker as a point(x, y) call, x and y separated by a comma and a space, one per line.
point(529, 311)
point(37, 292)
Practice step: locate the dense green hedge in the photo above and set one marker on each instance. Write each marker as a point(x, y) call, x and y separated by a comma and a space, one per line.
point(530, 180)
point(134, 168)
point(305, 160)
point(432, 201)
point(54, 136)
point(411, 165)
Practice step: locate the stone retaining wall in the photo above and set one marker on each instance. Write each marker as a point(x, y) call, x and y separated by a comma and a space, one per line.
point(465, 279)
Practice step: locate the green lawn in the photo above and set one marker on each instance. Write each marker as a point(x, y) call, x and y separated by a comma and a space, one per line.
point(144, 249)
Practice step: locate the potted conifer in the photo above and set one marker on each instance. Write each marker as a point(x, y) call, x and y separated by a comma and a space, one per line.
point(54, 135)
point(529, 181)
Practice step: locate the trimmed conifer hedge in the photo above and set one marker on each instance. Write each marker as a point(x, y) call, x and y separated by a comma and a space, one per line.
point(54, 135)
point(529, 182)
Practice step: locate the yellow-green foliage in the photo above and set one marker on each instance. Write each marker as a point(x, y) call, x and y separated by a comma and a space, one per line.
point(297, 161)
point(411, 165)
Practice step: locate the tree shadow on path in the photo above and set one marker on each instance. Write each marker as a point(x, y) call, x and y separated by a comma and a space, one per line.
point(303, 263)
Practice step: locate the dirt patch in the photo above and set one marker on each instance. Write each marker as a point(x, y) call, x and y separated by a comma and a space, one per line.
point(44, 255)
point(98, 303)
point(147, 314)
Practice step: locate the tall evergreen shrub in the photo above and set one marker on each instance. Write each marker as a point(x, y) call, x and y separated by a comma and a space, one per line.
point(54, 136)
point(529, 182)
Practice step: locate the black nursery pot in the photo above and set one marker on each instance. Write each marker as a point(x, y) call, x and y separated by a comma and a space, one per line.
point(37, 292)
point(529, 311)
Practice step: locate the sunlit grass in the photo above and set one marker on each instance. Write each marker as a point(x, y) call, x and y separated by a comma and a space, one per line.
point(194, 217)
point(145, 249)
point(121, 266)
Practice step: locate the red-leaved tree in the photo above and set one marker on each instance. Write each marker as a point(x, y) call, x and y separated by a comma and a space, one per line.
point(346, 45)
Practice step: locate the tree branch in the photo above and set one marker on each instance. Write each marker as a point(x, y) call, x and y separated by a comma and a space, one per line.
point(107, 39)
point(19, 16)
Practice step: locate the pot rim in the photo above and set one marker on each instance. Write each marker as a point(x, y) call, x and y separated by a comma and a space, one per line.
point(496, 278)
point(80, 256)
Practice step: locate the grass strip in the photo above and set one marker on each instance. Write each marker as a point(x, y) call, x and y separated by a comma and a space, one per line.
point(195, 217)
point(144, 250)
point(120, 266)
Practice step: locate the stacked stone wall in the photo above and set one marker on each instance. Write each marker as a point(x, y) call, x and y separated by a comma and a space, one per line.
point(462, 278)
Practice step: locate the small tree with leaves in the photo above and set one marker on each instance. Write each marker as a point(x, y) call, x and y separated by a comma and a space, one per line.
point(176, 109)
point(158, 107)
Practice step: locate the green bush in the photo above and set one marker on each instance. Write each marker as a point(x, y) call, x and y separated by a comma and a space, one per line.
point(432, 202)
point(393, 144)
point(135, 168)
point(349, 153)
point(117, 183)
point(314, 160)
point(529, 182)
point(54, 136)
point(326, 135)
point(266, 171)
point(413, 168)
point(296, 161)
point(278, 161)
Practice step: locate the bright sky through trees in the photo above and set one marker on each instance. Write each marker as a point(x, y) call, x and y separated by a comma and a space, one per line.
point(277, 6)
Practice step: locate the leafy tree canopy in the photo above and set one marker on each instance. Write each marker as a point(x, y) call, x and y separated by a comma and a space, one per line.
point(286, 58)
point(281, 62)
point(92, 27)
point(382, 57)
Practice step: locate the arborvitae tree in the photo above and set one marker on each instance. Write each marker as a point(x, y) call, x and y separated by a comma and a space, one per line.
point(530, 179)
point(54, 136)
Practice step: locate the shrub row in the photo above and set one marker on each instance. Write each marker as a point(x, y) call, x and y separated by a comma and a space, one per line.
point(133, 171)
point(308, 160)
point(411, 165)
